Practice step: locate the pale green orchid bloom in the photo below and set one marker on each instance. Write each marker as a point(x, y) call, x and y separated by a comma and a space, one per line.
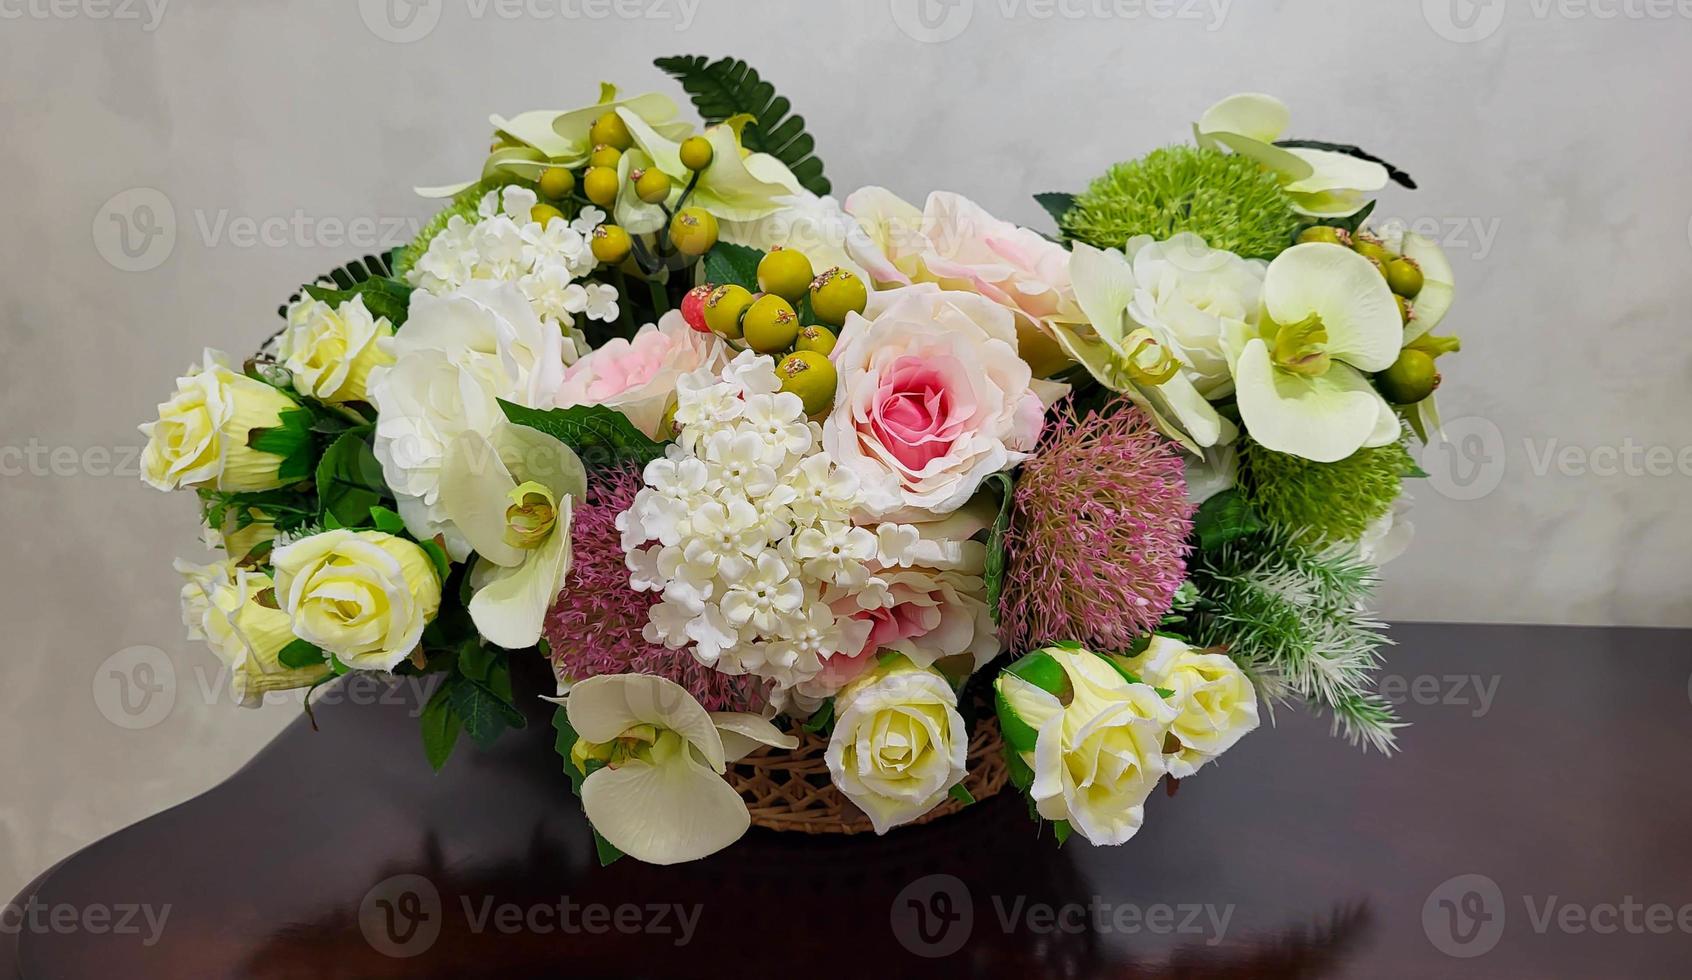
point(510, 495)
point(561, 137)
point(1328, 317)
point(1131, 359)
point(737, 186)
point(654, 761)
point(1321, 183)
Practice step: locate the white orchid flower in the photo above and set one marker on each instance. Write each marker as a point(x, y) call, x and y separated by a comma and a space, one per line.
point(1321, 183)
point(1328, 317)
point(655, 760)
point(1132, 359)
point(510, 495)
point(1439, 290)
point(737, 186)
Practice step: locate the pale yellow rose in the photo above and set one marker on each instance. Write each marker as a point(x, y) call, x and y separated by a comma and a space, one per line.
point(1215, 701)
point(899, 743)
point(200, 438)
point(364, 596)
point(330, 350)
point(228, 609)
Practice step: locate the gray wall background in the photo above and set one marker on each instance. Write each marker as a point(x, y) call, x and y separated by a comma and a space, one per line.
point(245, 147)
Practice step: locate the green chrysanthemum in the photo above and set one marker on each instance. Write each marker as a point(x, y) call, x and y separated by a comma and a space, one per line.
point(1295, 620)
point(1322, 503)
point(1227, 199)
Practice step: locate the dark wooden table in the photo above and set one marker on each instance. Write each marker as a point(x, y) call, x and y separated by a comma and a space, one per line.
point(1535, 825)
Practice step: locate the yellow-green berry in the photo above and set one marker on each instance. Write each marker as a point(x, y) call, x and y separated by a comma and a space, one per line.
point(611, 244)
point(605, 156)
point(600, 186)
point(557, 183)
point(819, 340)
point(693, 231)
point(1404, 275)
point(611, 130)
point(1325, 233)
point(696, 153)
point(1372, 250)
point(1406, 312)
point(544, 213)
point(786, 273)
point(836, 293)
point(1411, 378)
point(723, 309)
point(812, 377)
point(770, 325)
point(650, 185)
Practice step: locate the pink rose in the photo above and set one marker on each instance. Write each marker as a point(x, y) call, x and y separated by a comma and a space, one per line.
point(956, 244)
point(933, 399)
point(638, 377)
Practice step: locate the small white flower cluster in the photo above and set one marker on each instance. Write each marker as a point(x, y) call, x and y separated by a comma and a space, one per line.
point(752, 522)
point(509, 246)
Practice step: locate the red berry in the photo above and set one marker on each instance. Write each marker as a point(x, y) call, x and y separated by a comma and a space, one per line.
point(693, 307)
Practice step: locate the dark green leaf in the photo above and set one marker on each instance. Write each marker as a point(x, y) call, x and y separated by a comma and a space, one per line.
point(728, 263)
point(821, 719)
point(441, 725)
point(1062, 829)
point(994, 573)
point(600, 436)
point(349, 481)
point(1057, 204)
point(476, 661)
point(728, 87)
point(387, 521)
point(961, 794)
point(292, 440)
point(607, 851)
point(1415, 472)
point(438, 555)
point(1225, 517)
point(383, 297)
point(485, 714)
point(300, 653)
point(1021, 775)
point(348, 276)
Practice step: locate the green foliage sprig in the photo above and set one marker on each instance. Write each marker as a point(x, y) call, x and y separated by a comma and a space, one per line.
point(730, 87)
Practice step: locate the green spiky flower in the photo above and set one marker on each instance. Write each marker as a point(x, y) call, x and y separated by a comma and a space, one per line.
point(1226, 199)
point(1323, 503)
point(1294, 619)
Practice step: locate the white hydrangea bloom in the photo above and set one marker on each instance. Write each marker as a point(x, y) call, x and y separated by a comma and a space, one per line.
point(507, 245)
point(742, 526)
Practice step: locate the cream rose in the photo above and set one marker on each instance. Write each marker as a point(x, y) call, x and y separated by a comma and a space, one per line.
point(638, 377)
point(1215, 702)
point(221, 606)
point(933, 399)
point(330, 350)
point(899, 743)
point(1096, 757)
point(364, 596)
point(200, 438)
point(1192, 296)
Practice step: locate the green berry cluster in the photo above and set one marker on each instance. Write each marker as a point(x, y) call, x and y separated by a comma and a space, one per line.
point(1413, 376)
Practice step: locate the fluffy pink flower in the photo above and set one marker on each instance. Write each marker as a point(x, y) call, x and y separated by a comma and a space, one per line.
point(1098, 537)
point(933, 399)
point(638, 377)
point(594, 626)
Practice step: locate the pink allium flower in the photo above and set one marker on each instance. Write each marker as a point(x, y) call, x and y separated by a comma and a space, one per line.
point(595, 625)
point(1098, 538)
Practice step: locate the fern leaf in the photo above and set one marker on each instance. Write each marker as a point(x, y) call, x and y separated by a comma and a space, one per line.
point(727, 87)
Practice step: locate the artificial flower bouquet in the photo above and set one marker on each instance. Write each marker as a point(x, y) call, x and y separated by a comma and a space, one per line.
point(921, 499)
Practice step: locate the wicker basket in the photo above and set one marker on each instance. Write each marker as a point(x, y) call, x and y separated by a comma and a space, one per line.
point(791, 791)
